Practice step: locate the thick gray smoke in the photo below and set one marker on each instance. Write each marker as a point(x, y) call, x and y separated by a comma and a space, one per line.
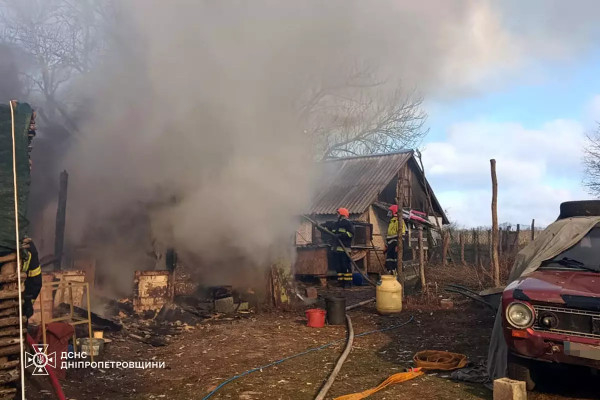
point(11, 86)
point(197, 118)
point(197, 134)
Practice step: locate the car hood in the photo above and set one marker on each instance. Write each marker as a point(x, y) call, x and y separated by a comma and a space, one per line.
point(550, 285)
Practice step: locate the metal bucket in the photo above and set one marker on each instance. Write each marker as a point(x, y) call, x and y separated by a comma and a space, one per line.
point(95, 349)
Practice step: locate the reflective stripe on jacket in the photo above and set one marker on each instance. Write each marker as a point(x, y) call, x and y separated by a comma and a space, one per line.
point(27, 267)
point(392, 231)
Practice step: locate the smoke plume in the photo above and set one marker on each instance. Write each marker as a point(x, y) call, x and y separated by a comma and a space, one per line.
point(196, 134)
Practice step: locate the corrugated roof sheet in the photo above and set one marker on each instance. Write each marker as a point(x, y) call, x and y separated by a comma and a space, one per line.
point(355, 182)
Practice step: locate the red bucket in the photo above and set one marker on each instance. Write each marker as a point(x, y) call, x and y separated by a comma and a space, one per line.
point(315, 318)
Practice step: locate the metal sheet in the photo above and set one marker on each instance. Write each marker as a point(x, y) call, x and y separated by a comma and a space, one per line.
point(355, 182)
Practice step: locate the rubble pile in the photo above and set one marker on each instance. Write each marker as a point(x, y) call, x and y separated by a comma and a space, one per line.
point(157, 327)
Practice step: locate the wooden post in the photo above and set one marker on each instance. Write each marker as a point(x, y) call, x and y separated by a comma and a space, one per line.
point(489, 243)
point(516, 241)
point(61, 216)
point(445, 244)
point(494, 255)
point(399, 202)
point(422, 259)
point(532, 229)
point(489, 253)
point(476, 245)
point(500, 241)
point(461, 240)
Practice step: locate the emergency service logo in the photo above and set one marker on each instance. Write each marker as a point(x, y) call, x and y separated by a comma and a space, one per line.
point(40, 360)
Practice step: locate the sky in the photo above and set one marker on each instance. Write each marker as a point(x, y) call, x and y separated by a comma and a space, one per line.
point(511, 80)
point(532, 118)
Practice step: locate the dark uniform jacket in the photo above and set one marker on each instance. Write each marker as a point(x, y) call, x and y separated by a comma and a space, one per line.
point(343, 228)
point(33, 282)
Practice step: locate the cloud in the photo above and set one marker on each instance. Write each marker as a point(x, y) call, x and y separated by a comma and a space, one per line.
point(593, 111)
point(537, 170)
point(511, 41)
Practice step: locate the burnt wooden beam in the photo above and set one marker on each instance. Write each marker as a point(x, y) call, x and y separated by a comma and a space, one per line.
point(98, 321)
point(61, 217)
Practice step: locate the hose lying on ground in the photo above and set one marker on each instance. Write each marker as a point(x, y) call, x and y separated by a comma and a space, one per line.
point(396, 378)
point(340, 362)
point(362, 303)
point(323, 392)
point(53, 379)
point(248, 372)
point(432, 360)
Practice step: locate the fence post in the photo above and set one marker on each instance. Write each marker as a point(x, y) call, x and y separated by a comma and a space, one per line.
point(399, 201)
point(445, 244)
point(450, 241)
point(500, 242)
point(495, 255)
point(489, 243)
point(532, 229)
point(476, 245)
point(61, 215)
point(461, 239)
point(422, 259)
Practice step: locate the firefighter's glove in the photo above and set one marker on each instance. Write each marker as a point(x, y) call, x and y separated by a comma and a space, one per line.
point(26, 243)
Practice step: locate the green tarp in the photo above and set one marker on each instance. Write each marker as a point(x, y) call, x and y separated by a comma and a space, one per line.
point(23, 113)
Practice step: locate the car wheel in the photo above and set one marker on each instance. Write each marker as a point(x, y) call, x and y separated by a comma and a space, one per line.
point(581, 208)
point(521, 370)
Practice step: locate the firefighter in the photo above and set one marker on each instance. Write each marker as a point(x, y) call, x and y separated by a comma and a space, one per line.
point(343, 229)
point(33, 282)
point(391, 253)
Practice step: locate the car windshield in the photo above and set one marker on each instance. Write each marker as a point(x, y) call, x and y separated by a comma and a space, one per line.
point(585, 255)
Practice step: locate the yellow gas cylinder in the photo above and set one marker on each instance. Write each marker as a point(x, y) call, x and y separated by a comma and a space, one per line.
point(389, 295)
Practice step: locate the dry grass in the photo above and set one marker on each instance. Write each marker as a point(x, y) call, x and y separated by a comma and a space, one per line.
point(475, 277)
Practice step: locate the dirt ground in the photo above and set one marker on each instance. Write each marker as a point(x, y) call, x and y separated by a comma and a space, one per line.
point(204, 356)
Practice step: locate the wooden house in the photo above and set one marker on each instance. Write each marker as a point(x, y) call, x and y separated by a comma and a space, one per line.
point(366, 186)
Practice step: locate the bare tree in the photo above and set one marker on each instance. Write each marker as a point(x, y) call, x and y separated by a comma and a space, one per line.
point(62, 39)
point(591, 160)
point(355, 113)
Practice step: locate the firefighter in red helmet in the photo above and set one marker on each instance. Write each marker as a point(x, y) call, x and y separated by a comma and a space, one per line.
point(391, 253)
point(343, 229)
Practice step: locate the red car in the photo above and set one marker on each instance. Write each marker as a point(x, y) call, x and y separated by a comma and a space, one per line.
point(553, 314)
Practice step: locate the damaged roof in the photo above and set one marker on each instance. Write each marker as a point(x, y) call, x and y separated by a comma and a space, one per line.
point(356, 182)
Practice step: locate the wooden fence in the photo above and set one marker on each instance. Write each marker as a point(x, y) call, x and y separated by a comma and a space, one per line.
point(472, 246)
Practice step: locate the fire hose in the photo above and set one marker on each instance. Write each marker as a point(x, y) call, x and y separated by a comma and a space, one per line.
point(248, 372)
point(323, 392)
point(53, 379)
point(354, 266)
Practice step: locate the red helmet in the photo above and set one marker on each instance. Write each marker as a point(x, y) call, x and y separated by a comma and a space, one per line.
point(343, 212)
point(394, 209)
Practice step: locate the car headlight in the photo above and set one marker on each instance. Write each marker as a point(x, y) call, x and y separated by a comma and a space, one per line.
point(519, 315)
